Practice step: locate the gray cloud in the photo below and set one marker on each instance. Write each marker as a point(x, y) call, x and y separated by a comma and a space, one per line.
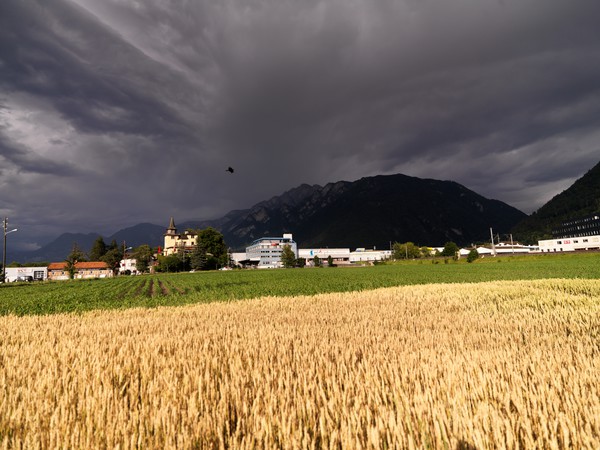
point(130, 111)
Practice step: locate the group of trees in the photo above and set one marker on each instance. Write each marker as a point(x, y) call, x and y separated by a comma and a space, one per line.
point(408, 250)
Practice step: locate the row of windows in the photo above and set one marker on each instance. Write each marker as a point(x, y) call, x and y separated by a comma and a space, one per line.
point(587, 226)
point(574, 235)
point(584, 220)
point(569, 242)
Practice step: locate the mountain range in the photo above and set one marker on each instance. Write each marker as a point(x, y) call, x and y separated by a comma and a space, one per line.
point(372, 212)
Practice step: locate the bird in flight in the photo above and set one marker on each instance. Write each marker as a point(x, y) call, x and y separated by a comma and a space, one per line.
point(229, 169)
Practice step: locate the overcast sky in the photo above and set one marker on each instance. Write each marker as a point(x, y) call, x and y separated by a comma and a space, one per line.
point(116, 112)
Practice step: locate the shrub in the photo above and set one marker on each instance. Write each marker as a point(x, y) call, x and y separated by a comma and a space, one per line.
point(473, 255)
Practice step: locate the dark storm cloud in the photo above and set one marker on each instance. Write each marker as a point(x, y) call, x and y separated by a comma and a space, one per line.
point(15, 157)
point(144, 104)
point(93, 78)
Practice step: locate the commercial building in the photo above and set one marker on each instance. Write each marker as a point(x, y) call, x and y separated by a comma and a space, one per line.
point(340, 256)
point(361, 255)
point(26, 274)
point(572, 235)
point(502, 248)
point(265, 252)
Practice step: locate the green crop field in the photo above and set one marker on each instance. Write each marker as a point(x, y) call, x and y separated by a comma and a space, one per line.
point(186, 288)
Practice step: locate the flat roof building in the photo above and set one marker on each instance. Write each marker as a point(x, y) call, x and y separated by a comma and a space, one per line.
point(266, 251)
point(574, 234)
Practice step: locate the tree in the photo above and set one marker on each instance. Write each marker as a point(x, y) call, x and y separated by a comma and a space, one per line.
point(317, 261)
point(74, 257)
point(98, 249)
point(185, 259)
point(143, 256)
point(113, 258)
point(113, 246)
point(199, 259)
point(288, 257)
point(450, 249)
point(406, 250)
point(170, 263)
point(301, 262)
point(330, 261)
point(473, 255)
point(213, 245)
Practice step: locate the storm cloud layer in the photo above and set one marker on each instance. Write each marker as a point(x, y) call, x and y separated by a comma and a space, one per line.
point(117, 112)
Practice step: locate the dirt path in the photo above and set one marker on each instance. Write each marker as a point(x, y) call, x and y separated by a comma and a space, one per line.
point(163, 288)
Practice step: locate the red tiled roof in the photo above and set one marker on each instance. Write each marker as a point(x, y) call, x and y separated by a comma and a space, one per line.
point(91, 265)
point(79, 265)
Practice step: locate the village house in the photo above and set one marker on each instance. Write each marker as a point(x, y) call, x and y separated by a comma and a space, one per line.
point(92, 269)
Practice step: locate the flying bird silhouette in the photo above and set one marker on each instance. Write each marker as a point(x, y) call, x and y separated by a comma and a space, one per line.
point(229, 169)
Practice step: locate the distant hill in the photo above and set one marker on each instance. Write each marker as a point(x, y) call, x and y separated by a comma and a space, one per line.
point(58, 249)
point(580, 200)
point(370, 212)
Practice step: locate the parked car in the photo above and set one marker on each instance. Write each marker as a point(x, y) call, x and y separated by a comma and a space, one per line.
point(24, 278)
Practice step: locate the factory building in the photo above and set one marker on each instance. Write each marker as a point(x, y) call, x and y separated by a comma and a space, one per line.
point(576, 234)
point(266, 252)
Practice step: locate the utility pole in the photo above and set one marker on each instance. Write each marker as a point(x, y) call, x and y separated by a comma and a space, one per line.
point(5, 227)
point(493, 246)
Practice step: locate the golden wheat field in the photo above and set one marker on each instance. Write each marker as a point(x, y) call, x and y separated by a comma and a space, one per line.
point(490, 365)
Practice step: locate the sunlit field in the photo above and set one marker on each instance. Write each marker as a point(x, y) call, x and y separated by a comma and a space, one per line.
point(509, 364)
point(202, 287)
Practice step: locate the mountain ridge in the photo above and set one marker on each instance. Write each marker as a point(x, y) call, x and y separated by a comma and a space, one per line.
point(369, 212)
point(580, 199)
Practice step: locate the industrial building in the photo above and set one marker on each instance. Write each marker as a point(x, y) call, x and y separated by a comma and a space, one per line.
point(265, 252)
point(576, 234)
point(340, 256)
point(361, 255)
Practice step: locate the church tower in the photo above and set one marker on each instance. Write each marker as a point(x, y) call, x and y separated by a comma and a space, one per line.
point(172, 229)
point(171, 238)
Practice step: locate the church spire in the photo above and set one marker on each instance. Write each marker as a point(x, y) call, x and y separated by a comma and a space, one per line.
point(172, 229)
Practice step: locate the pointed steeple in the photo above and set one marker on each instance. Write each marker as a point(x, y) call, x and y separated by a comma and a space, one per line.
point(172, 229)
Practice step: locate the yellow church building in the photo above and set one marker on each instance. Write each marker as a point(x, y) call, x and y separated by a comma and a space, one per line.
point(174, 242)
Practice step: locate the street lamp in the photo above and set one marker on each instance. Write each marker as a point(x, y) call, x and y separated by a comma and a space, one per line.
point(5, 226)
